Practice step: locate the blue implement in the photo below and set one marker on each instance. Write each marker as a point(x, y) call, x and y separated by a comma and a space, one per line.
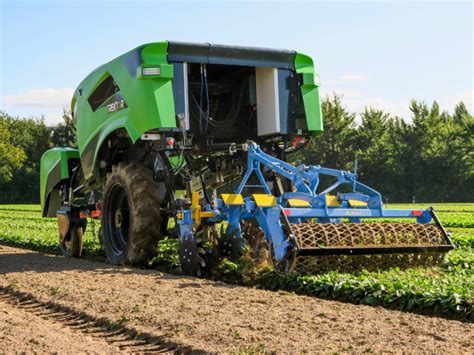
point(306, 222)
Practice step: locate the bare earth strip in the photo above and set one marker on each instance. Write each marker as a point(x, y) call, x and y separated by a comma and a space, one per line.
point(210, 316)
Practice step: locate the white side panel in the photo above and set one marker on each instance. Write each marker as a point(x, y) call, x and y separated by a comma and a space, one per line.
point(268, 106)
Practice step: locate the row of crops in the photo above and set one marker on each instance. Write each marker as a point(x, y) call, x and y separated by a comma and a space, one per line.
point(445, 289)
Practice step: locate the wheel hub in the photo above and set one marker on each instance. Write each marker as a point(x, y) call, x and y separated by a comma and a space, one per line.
point(118, 218)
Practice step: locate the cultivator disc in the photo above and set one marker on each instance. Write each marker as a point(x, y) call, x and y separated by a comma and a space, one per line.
point(352, 246)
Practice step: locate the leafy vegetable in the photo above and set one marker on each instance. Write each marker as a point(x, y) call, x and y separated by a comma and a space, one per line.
point(447, 289)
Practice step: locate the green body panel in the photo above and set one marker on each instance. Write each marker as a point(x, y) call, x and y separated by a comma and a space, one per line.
point(54, 168)
point(310, 92)
point(149, 102)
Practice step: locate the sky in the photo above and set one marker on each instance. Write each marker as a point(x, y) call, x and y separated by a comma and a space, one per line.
point(379, 54)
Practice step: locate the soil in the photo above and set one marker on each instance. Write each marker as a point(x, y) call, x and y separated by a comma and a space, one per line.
point(198, 314)
point(22, 331)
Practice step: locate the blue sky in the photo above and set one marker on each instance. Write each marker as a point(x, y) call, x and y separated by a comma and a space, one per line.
point(378, 54)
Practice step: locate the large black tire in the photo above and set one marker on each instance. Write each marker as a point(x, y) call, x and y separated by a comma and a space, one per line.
point(130, 215)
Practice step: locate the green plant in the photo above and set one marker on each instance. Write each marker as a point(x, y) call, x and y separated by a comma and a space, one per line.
point(447, 288)
point(167, 253)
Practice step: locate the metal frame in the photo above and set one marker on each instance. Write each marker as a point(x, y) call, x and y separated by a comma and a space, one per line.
point(275, 219)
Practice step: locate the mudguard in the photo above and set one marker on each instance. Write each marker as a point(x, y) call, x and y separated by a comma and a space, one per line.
point(54, 168)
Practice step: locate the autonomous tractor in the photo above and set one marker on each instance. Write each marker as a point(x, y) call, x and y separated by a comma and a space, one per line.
point(199, 142)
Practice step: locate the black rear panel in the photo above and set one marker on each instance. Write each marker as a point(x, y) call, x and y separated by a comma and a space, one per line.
point(231, 55)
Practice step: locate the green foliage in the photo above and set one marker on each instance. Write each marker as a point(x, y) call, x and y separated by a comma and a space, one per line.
point(447, 289)
point(33, 137)
point(434, 158)
point(335, 146)
point(167, 253)
point(242, 271)
point(64, 134)
point(21, 207)
point(422, 289)
point(459, 260)
point(27, 140)
point(30, 230)
point(427, 157)
point(463, 239)
point(11, 157)
point(373, 149)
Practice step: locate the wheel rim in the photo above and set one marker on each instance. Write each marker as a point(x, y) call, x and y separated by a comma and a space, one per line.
point(118, 220)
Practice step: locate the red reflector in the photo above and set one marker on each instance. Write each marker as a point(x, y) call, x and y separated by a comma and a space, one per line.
point(169, 142)
point(287, 212)
point(82, 215)
point(417, 213)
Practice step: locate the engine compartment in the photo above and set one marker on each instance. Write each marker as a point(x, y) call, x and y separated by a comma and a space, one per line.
point(222, 102)
point(230, 104)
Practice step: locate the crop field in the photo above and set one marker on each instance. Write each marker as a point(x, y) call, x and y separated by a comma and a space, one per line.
point(446, 289)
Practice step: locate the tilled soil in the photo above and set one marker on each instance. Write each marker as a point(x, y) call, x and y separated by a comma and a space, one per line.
point(21, 330)
point(195, 314)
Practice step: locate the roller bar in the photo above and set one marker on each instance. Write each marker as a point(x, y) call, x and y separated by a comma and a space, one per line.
point(374, 250)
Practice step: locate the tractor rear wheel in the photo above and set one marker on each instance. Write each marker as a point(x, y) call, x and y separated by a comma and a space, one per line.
point(131, 218)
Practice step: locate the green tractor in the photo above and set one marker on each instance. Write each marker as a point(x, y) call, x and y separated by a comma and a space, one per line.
point(162, 121)
point(168, 135)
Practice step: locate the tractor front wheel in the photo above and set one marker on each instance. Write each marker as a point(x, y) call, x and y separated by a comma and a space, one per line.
point(130, 215)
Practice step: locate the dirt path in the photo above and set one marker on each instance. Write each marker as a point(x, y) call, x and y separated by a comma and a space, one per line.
point(194, 314)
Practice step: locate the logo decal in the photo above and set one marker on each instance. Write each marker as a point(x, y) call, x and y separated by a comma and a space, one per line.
point(116, 106)
point(354, 213)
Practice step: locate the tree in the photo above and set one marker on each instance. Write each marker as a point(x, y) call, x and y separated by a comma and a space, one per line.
point(429, 157)
point(33, 137)
point(374, 149)
point(64, 134)
point(11, 157)
point(334, 147)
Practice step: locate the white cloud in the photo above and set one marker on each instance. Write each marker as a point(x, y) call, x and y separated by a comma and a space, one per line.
point(349, 94)
point(329, 82)
point(356, 102)
point(344, 80)
point(466, 96)
point(354, 77)
point(40, 98)
point(53, 118)
point(400, 109)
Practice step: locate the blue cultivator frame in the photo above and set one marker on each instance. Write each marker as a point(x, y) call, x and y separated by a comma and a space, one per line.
point(276, 215)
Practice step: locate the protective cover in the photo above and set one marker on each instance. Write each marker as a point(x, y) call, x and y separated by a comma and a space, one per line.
point(54, 168)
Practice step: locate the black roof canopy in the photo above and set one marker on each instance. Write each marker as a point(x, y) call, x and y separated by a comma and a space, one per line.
point(230, 55)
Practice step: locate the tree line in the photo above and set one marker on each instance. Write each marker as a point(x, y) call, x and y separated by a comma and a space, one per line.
point(22, 143)
point(428, 156)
